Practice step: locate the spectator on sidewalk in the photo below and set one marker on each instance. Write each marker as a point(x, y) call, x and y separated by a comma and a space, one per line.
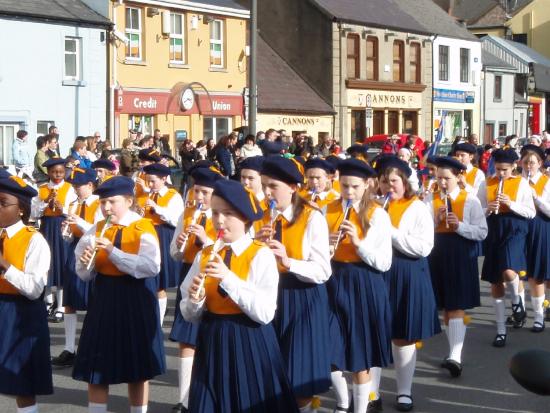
point(250, 148)
point(21, 151)
point(40, 173)
point(51, 141)
point(324, 148)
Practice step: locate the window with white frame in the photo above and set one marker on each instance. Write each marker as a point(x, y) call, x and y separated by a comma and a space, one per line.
point(133, 33)
point(43, 126)
point(177, 41)
point(215, 128)
point(216, 43)
point(72, 58)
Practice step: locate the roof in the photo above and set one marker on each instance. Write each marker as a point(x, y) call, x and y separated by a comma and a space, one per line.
point(281, 89)
point(415, 16)
point(230, 4)
point(435, 20)
point(522, 51)
point(60, 10)
point(467, 11)
point(520, 4)
point(490, 60)
point(221, 7)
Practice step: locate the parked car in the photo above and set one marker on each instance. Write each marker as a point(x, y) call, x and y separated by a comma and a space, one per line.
point(376, 142)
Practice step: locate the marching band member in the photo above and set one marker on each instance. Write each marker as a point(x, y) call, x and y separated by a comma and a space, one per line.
point(299, 240)
point(195, 231)
point(334, 160)
point(429, 183)
point(238, 364)
point(361, 316)
point(414, 311)
point(250, 177)
point(146, 157)
point(104, 169)
point(25, 369)
point(319, 190)
point(49, 206)
point(474, 177)
point(508, 204)
point(121, 340)
point(538, 238)
point(163, 206)
point(82, 214)
point(459, 225)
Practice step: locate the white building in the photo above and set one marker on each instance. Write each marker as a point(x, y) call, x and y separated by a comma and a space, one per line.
point(53, 71)
point(456, 86)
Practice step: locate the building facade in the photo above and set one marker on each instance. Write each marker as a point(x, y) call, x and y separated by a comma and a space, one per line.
point(61, 77)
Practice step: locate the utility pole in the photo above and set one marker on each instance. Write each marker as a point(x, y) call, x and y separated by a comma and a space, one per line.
point(252, 82)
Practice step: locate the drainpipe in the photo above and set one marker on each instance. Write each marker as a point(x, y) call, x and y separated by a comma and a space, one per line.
point(114, 139)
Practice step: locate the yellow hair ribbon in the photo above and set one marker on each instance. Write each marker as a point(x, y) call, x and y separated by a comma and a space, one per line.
point(299, 166)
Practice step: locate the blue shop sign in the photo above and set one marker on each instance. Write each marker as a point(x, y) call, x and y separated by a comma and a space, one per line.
point(453, 96)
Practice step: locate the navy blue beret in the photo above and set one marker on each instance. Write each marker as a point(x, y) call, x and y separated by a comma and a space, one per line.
point(253, 162)
point(81, 176)
point(321, 164)
point(357, 149)
point(104, 163)
point(149, 155)
point(240, 198)
point(17, 187)
point(206, 176)
point(117, 185)
point(271, 148)
point(533, 148)
point(54, 161)
point(449, 162)
point(504, 156)
point(334, 161)
point(431, 159)
point(466, 147)
point(157, 169)
point(4, 173)
point(356, 167)
point(392, 161)
point(282, 169)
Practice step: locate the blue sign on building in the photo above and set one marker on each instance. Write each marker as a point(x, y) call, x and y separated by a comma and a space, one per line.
point(453, 96)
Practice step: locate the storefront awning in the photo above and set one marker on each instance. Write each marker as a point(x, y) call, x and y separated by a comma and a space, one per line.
point(542, 77)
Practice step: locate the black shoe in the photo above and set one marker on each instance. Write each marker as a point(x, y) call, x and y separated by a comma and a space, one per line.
point(547, 314)
point(499, 341)
point(454, 367)
point(65, 359)
point(338, 409)
point(375, 406)
point(518, 313)
point(56, 317)
point(50, 308)
point(404, 407)
point(179, 408)
point(538, 327)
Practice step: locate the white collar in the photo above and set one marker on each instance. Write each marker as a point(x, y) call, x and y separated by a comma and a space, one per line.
point(288, 213)
point(14, 229)
point(162, 191)
point(88, 201)
point(469, 167)
point(129, 218)
point(51, 185)
point(240, 246)
point(453, 194)
point(354, 204)
point(260, 196)
point(535, 178)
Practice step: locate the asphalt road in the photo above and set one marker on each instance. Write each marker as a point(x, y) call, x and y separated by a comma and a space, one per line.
point(484, 387)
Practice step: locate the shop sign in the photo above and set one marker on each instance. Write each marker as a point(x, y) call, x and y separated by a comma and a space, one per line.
point(384, 99)
point(453, 96)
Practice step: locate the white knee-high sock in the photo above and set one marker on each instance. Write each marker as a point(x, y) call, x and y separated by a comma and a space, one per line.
point(522, 296)
point(500, 316)
point(306, 408)
point(538, 309)
point(361, 397)
point(28, 409)
point(138, 409)
point(513, 289)
point(375, 376)
point(340, 387)
point(404, 359)
point(163, 302)
point(70, 332)
point(97, 408)
point(456, 333)
point(184, 369)
point(48, 298)
point(59, 294)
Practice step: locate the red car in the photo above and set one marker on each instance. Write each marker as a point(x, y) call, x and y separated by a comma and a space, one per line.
point(378, 141)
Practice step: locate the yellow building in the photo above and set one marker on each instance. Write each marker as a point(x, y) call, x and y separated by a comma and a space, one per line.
point(178, 66)
point(529, 25)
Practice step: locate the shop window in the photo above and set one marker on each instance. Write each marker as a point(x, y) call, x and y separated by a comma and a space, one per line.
point(43, 126)
point(393, 122)
point(7, 136)
point(414, 63)
point(378, 122)
point(464, 65)
point(497, 94)
point(444, 63)
point(72, 58)
point(133, 33)
point(143, 124)
point(372, 58)
point(216, 43)
point(215, 128)
point(358, 125)
point(410, 122)
point(398, 61)
point(177, 38)
point(352, 43)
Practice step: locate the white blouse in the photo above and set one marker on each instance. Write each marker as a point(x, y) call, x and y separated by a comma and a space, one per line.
point(522, 206)
point(415, 235)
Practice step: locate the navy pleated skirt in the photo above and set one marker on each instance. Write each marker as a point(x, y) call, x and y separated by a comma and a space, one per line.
point(238, 367)
point(25, 368)
point(183, 331)
point(75, 291)
point(505, 246)
point(302, 327)
point(412, 301)
point(360, 320)
point(50, 227)
point(121, 339)
point(170, 269)
point(454, 272)
point(538, 248)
